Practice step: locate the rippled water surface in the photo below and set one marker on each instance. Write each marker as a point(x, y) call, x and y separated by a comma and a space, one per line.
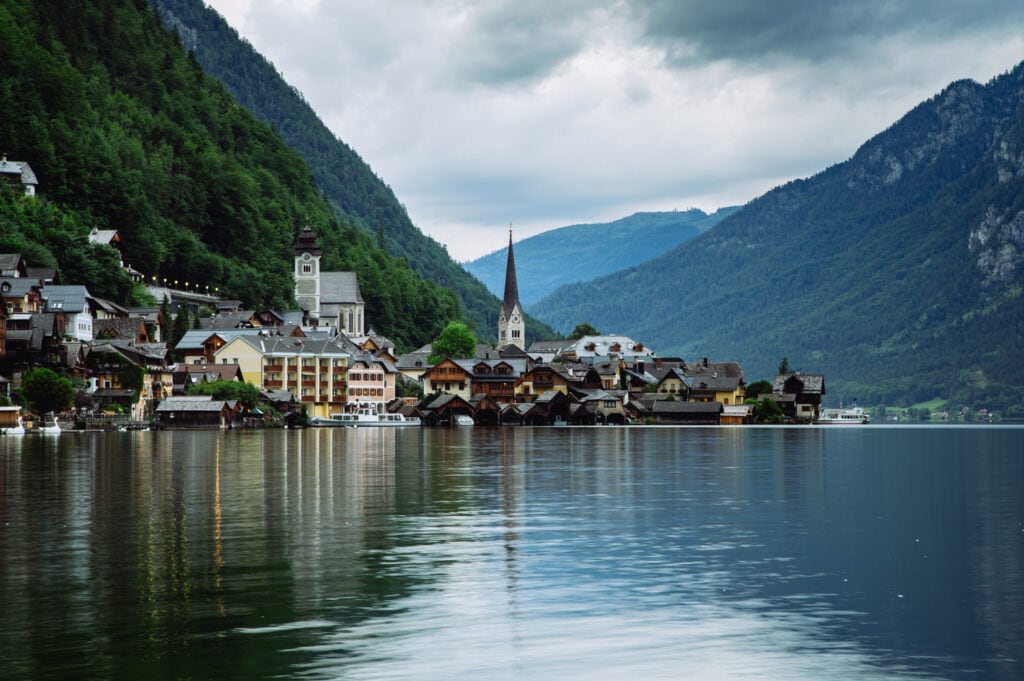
point(516, 553)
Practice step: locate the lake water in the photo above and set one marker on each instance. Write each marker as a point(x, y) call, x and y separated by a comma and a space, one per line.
point(515, 553)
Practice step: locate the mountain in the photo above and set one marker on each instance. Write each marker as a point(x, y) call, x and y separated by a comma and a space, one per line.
point(125, 131)
point(898, 273)
point(358, 195)
point(596, 249)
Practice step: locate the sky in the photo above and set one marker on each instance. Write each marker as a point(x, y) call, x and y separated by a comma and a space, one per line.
point(546, 113)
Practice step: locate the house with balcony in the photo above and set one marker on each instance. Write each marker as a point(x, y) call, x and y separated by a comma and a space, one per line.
point(314, 371)
point(371, 383)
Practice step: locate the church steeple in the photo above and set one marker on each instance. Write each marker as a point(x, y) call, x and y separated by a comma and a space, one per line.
point(511, 325)
point(307, 272)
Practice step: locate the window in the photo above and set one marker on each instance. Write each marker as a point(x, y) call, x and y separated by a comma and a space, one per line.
point(307, 268)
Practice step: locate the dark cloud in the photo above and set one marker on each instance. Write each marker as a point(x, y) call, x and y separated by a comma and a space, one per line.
point(517, 42)
point(694, 31)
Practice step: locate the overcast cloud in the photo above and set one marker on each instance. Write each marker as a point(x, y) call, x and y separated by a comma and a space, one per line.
point(545, 113)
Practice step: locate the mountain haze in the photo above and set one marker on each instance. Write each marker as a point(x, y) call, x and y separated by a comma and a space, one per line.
point(592, 249)
point(898, 273)
point(357, 193)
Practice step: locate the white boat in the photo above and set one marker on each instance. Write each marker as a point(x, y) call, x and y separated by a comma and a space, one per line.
point(10, 421)
point(853, 416)
point(463, 420)
point(49, 426)
point(363, 418)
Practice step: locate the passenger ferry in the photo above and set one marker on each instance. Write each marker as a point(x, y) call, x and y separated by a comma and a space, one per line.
point(854, 416)
point(363, 418)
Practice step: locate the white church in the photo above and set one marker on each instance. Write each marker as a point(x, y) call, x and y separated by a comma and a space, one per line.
point(327, 298)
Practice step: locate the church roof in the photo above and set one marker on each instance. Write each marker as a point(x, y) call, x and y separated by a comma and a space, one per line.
point(339, 288)
point(511, 298)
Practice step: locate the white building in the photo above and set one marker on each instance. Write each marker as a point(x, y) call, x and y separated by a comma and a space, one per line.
point(332, 298)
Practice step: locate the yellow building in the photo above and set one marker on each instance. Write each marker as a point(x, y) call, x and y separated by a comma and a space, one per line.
point(314, 371)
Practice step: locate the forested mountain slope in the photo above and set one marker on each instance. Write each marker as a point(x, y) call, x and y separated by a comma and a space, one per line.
point(360, 197)
point(594, 250)
point(125, 131)
point(898, 273)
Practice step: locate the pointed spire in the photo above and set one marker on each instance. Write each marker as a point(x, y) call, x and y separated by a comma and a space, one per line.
point(511, 286)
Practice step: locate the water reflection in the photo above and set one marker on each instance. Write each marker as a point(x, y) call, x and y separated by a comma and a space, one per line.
point(514, 553)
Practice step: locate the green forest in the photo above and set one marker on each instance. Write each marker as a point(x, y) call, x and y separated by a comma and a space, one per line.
point(358, 196)
point(125, 131)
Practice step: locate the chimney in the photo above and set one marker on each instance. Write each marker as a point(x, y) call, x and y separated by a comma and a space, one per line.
point(704, 361)
point(657, 362)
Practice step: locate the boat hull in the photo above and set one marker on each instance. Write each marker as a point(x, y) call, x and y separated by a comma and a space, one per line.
point(843, 417)
point(364, 420)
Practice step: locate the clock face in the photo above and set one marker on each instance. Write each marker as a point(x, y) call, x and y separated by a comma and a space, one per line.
point(305, 256)
point(515, 318)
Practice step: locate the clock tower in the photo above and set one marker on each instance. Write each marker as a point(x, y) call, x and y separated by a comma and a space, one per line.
point(511, 325)
point(307, 272)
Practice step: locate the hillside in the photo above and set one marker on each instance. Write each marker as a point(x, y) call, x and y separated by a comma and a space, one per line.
point(358, 195)
point(898, 273)
point(125, 131)
point(597, 249)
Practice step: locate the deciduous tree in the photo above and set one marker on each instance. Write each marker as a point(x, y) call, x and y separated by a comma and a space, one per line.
point(45, 391)
point(456, 341)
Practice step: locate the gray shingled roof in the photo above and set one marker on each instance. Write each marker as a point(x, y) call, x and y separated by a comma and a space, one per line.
point(117, 328)
point(72, 298)
point(678, 407)
point(102, 236)
point(9, 261)
point(20, 286)
point(19, 168)
point(813, 383)
point(339, 288)
point(193, 403)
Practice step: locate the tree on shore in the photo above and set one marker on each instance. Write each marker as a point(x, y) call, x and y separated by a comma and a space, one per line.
point(767, 411)
point(45, 391)
point(245, 393)
point(758, 388)
point(456, 341)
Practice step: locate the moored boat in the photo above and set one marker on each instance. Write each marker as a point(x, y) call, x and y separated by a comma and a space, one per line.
point(10, 421)
point(363, 418)
point(852, 416)
point(49, 426)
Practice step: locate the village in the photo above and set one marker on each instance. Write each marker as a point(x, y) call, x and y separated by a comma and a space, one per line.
point(322, 360)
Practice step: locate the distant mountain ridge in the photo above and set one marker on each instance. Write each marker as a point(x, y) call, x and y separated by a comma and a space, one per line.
point(582, 252)
point(898, 273)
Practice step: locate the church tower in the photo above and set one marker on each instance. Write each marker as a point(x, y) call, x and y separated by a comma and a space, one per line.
point(307, 272)
point(511, 325)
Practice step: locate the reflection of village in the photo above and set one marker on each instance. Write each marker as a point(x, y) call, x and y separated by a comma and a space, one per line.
point(321, 360)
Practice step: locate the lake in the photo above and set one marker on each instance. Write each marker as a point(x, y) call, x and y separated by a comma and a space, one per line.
point(878, 552)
